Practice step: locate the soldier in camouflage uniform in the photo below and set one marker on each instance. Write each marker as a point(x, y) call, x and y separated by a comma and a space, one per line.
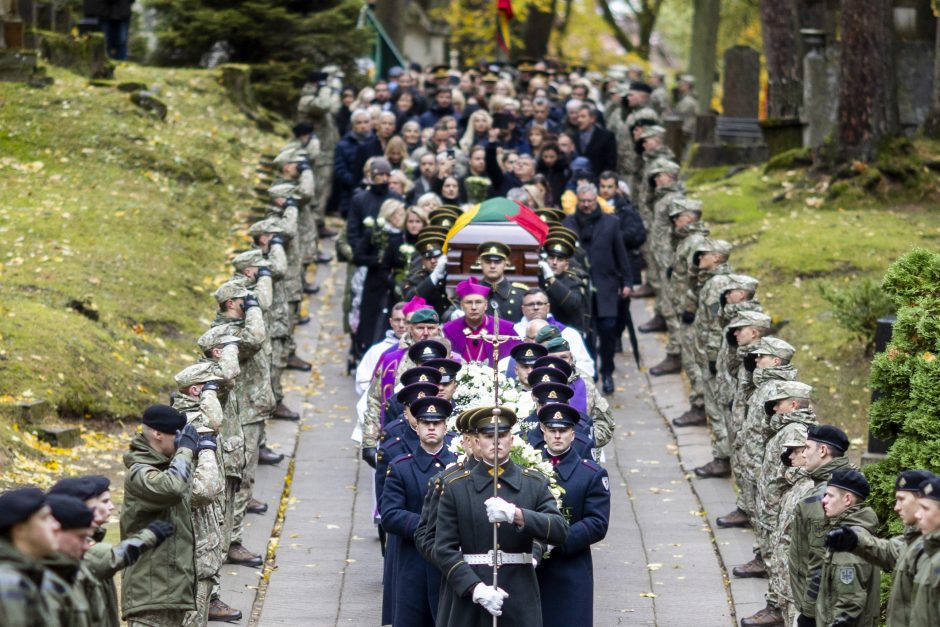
point(743, 332)
point(197, 399)
point(241, 316)
point(772, 365)
point(660, 100)
point(295, 168)
point(790, 417)
point(687, 108)
point(319, 102)
point(711, 259)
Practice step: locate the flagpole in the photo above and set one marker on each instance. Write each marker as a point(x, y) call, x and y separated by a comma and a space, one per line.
point(496, 412)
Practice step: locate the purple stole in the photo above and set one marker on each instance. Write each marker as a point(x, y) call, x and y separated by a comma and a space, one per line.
point(477, 350)
point(386, 370)
point(579, 400)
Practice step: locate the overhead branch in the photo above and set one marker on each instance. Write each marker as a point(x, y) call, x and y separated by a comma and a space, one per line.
point(619, 34)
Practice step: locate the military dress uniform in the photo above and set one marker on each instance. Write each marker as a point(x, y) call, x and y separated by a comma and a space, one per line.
point(506, 294)
point(420, 282)
point(411, 585)
point(568, 291)
point(566, 574)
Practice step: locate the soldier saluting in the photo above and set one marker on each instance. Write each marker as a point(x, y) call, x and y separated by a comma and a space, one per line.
point(527, 516)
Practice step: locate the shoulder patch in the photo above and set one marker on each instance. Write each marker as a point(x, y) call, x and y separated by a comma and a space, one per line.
point(521, 286)
point(456, 476)
point(847, 574)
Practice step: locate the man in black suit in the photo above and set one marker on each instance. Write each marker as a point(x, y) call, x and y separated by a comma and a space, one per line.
point(599, 234)
point(597, 144)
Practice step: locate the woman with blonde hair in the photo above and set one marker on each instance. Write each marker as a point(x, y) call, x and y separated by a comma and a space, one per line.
point(399, 183)
point(477, 130)
point(428, 202)
point(396, 151)
point(411, 134)
point(416, 218)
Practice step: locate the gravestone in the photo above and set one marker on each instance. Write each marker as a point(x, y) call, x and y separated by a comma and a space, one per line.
point(915, 82)
point(820, 88)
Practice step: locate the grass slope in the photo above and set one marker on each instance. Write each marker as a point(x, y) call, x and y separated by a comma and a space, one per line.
point(115, 227)
point(792, 230)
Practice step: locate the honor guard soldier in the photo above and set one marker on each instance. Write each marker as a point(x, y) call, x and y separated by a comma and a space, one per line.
point(557, 393)
point(427, 279)
point(567, 291)
point(522, 358)
point(566, 574)
point(527, 518)
point(493, 258)
point(412, 585)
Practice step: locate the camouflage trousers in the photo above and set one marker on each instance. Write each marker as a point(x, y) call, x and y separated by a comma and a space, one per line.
point(664, 307)
point(746, 459)
point(307, 232)
point(719, 418)
point(280, 351)
point(324, 177)
point(157, 618)
point(200, 616)
point(254, 433)
point(227, 524)
point(691, 367)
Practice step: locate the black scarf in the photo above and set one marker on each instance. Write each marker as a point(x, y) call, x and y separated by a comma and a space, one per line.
point(586, 223)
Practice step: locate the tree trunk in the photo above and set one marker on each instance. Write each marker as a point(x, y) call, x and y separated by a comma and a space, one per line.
point(867, 97)
point(704, 52)
point(785, 89)
point(538, 30)
point(932, 123)
point(391, 14)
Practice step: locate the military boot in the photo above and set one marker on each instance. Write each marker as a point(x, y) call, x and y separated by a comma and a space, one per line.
point(753, 569)
point(237, 554)
point(694, 417)
point(770, 616)
point(654, 325)
point(670, 365)
point(716, 468)
point(267, 457)
point(219, 610)
point(256, 507)
point(282, 412)
point(644, 291)
point(737, 518)
point(296, 363)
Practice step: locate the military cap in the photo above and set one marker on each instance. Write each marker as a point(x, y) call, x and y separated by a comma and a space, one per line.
point(253, 258)
point(444, 220)
point(302, 128)
point(740, 282)
point(482, 421)
point(687, 78)
point(430, 247)
point(445, 210)
point(558, 248)
point(547, 375)
point(557, 345)
point(562, 231)
point(424, 316)
point(410, 393)
point(552, 393)
point(554, 362)
point(70, 511)
point(850, 480)
point(230, 290)
point(709, 245)
point(82, 488)
point(775, 347)
point(683, 205)
point(440, 71)
point(829, 435)
point(447, 367)
point(216, 336)
point(290, 155)
point(912, 480)
point(493, 249)
point(786, 389)
point(462, 424)
point(164, 419)
point(652, 131)
point(750, 319)
point(797, 439)
point(661, 165)
point(527, 353)
point(558, 415)
point(195, 374)
point(525, 64)
point(557, 214)
point(420, 374)
point(930, 489)
point(282, 190)
point(431, 409)
point(646, 116)
point(490, 77)
point(547, 333)
point(268, 225)
point(380, 165)
point(435, 230)
point(17, 506)
point(547, 216)
point(426, 350)
point(641, 86)
point(541, 74)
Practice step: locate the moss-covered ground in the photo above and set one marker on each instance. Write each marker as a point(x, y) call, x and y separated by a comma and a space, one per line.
point(115, 227)
point(792, 232)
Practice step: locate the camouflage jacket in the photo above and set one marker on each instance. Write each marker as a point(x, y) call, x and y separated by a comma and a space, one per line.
point(682, 280)
point(774, 479)
point(707, 325)
point(253, 385)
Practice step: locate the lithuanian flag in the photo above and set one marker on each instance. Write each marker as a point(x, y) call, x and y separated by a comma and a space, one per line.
point(501, 210)
point(503, 17)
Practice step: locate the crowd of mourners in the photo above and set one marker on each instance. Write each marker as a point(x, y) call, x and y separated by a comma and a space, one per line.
point(401, 164)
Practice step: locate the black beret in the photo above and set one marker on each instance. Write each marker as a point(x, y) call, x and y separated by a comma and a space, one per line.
point(828, 434)
point(17, 506)
point(316, 76)
point(641, 86)
point(930, 488)
point(559, 415)
point(850, 480)
point(411, 393)
point(302, 128)
point(164, 419)
point(426, 350)
point(81, 488)
point(552, 393)
point(70, 511)
point(527, 353)
point(911, 480)
point(101, 483)
point(421, 374)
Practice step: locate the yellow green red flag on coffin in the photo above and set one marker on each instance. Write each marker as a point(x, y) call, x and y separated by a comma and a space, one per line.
point(501, 209)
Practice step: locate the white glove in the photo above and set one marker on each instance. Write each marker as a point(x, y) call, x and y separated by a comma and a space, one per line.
point(490, 598)
point(546, 269)
point(440, 270)
point(499, 510)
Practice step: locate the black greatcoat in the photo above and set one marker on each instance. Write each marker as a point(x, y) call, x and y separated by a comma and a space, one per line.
point(610, 266)
point(462, 527)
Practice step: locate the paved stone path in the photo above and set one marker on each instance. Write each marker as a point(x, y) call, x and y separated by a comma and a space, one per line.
point(663, 562)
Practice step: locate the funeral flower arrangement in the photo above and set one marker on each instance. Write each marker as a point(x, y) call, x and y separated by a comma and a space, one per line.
point(475, 389)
